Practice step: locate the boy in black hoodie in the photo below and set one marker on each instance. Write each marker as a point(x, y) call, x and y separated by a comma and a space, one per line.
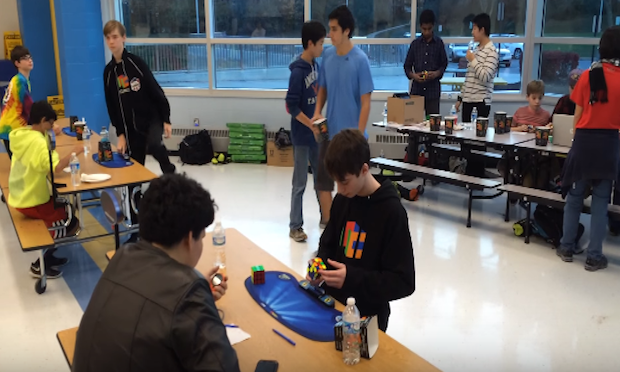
point(300, 103)
point(138, 107)
point(366, 244)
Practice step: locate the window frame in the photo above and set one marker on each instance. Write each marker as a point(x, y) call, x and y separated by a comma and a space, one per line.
point(532, 46)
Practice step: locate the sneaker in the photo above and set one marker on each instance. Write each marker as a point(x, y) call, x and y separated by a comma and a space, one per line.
point(298, 235)
point(593, 265)
point(564, 255)
point(53, 261)
point(50, 272)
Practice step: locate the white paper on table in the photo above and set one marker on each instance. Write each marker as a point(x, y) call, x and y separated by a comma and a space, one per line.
point(236, 335)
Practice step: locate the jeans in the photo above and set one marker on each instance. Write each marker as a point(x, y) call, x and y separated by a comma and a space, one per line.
point(302, 155)
point(601, 193)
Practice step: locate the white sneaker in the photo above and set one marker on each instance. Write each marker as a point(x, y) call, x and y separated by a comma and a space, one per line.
point(298, 235)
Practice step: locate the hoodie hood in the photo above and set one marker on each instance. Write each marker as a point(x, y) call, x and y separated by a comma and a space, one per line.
point(22, 139)
point(370, 235)
point(301, 97)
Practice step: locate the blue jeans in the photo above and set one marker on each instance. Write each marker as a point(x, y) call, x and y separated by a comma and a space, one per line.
point(302, 155)
point(601, 193)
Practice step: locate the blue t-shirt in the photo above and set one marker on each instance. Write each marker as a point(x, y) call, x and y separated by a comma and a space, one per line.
point(347, 78)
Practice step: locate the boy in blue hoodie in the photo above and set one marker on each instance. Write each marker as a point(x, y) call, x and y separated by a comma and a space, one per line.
point(300, 103)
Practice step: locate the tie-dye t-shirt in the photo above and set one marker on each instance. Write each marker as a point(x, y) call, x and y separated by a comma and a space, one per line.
point(16, 105)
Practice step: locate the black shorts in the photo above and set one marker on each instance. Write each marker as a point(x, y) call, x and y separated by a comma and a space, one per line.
point(323, 180)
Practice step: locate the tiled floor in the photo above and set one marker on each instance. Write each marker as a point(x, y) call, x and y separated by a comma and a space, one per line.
point(484, 300)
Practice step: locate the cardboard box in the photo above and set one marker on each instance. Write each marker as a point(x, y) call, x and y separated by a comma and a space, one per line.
point(406, 111)
point(11, 40)
point(279, 158)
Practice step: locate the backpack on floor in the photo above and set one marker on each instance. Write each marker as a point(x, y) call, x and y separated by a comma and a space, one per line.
point(283, 139)
point(549, 224)
point(196, 149)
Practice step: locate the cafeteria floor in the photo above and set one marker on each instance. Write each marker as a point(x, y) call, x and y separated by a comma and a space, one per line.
point(484, 300)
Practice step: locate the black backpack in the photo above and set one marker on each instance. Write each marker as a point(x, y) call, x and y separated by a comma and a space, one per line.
point(196, 149)
point(283, 139)
point(548, 223)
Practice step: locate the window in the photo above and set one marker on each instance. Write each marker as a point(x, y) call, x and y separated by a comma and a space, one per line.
point(454, 17)
point(580, 18)
point(175, 65)
point(386, 66)
point(373, 19)
point(258, 18)
point(509, 73)
point(557, 61)
point(163, 18)
point(253, 66)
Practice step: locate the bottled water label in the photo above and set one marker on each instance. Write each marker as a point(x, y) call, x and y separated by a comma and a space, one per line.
point(219, 240)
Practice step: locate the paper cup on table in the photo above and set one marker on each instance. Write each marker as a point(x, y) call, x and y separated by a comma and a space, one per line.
point(450, 122)
point(482, 124)
point(323, 131)
point(509, 123)
point(500, 122)
point(435, 121)
point(79, 129)
point(542, 136)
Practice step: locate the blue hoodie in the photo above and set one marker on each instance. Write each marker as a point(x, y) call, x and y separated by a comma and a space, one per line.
point(303, 88)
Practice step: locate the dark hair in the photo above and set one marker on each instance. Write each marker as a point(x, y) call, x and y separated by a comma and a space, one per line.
point(535, 87)
point(41, 110)
point(172, 206)
point(345, 19)
point(347, 153)
point(312, 31)
point(483, 21)
point(609, 46)
point(18, 53)
point(427, 16)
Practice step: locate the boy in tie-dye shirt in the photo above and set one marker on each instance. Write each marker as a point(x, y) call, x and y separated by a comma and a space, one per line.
point(17, 100)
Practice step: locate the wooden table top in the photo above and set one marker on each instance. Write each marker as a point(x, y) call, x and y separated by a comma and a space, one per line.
point(557, 149)
point(63, 140)
point(135, 173)
point(264, 344)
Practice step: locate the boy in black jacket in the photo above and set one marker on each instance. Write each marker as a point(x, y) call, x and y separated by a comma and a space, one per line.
point(366, 244)
point(136, 103)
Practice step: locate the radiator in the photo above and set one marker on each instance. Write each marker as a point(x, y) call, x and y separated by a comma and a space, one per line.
point(393, 145)
point(219, 138)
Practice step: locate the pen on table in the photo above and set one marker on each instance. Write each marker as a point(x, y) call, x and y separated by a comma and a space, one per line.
point(284, 337)
point(231, 326)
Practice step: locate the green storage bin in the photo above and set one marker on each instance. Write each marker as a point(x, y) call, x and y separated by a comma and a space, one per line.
point(240, 149)
point(246, 158)
point(245, 152)
point(246, 127)
point(244, 135)
point(246, 141)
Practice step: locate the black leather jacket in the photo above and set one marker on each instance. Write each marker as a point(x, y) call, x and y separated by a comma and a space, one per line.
point(151, 313)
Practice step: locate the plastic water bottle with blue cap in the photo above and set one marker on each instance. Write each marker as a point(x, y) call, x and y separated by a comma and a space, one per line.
point(86, 138)
point(385, 121)
point(474, 116)
point(75, 170)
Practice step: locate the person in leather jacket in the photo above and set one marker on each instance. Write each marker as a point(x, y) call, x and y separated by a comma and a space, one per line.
point(152, 310)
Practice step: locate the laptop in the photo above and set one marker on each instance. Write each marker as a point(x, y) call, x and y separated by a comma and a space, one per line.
point(563, 130)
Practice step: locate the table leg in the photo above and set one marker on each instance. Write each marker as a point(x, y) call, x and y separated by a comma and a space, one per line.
point(78, 197)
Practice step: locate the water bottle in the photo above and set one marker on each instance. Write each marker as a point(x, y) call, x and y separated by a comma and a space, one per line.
point(75, 170)
point(219, 244)
point(385, 121)
point(453, 112)
point(86, 139)
point(474, 115)
point(105, 136)
point(472, 45)
point(351, 333)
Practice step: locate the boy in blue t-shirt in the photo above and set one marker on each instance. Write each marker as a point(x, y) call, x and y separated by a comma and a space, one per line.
point(346, 85)
point(300, 103)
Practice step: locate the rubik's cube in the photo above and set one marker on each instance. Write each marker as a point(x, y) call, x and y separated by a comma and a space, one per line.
point(258, 275)
point(314, 266)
